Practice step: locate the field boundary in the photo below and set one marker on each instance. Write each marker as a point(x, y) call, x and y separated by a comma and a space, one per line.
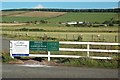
point(88, 50)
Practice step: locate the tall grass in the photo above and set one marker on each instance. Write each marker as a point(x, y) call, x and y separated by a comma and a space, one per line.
point(84, 62)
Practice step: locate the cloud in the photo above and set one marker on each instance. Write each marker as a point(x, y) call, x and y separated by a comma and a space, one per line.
point(39, 6)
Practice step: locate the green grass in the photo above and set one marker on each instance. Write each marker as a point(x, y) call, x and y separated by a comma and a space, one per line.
point(85, 16)
point(57, 28)
point(71, 16)
point(63, 33)
point(92, 63)
point(21, 19)
point(81, 62)
point(104, 37)
point(7, 58)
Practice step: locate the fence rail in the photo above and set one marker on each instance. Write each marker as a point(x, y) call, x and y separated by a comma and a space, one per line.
point(88, 50)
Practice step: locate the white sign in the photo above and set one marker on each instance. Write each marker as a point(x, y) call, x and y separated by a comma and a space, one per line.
point(19, 48)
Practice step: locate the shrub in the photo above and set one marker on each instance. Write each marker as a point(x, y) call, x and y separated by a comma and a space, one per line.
point(67, 25)
point(43, 21)
point(24, 29)
point(111, 24)
point(79, 38)
point(6, 57)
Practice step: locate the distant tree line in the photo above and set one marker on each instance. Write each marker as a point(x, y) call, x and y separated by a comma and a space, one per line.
point(67, 10)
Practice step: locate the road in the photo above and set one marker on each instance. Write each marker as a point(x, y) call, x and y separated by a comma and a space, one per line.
point(20, 71)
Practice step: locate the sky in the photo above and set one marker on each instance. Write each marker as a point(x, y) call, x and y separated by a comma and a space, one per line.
point(63, 5)
point(60, 0)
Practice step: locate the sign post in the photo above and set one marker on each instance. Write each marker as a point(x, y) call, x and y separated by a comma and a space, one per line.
point(48, 55)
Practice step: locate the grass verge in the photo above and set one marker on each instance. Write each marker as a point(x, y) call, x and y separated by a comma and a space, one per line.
point(6, 58)
point(85, 62)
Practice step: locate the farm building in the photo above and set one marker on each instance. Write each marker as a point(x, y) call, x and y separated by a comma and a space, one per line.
point(100, 25)
point(73, 23)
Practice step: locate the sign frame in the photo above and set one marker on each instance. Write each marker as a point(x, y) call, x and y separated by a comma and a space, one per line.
point(19, 48)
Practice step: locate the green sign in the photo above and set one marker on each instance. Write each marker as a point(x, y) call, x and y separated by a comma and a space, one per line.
point(38, 45)
point(44, 46)
point(53, 46)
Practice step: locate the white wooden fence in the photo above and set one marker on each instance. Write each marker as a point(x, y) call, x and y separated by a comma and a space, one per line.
point(88, 50)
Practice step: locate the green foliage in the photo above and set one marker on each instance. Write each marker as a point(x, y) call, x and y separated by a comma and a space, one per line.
point(24, 29)
point(6, 57)
point(79, 38)
point(21, 19)
point(71, 16)
point(43, 21)
point(67, 25)
point(86, 62)
point(33, 29)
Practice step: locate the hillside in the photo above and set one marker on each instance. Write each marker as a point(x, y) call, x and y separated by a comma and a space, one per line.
point(28, 16)
point(55, 17)
point(85, 16)
point(31, 13)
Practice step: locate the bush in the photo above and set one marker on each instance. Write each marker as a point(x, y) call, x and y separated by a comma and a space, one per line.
point(6, 57)
point(79, 38)
point(119, 25)
point(111, 24)
point(43, 21)
point(35, 29)
point(67, 25)
point(24, 29)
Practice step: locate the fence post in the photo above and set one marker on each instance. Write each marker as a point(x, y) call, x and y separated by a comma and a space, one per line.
point(11, 54)
point(48, 55)
point(66, 37)
point(115, 38)
point(92, 38)
point(88, 48)
point(73, 37)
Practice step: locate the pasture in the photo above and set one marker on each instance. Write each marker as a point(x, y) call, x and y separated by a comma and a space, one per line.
point(55, 17)
point(60, 32)
point(84, 16)
point(54, 31)
point(28, 16)
point(64, 36)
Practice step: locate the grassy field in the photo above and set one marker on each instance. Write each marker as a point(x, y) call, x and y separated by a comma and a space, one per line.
point(56, 32)
point(56, 28)
point(8, 13)
point(106, 34)
point(27, 16)
point(55, 17)
point(90, 17)
point(104, 37)
point(21, 19)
